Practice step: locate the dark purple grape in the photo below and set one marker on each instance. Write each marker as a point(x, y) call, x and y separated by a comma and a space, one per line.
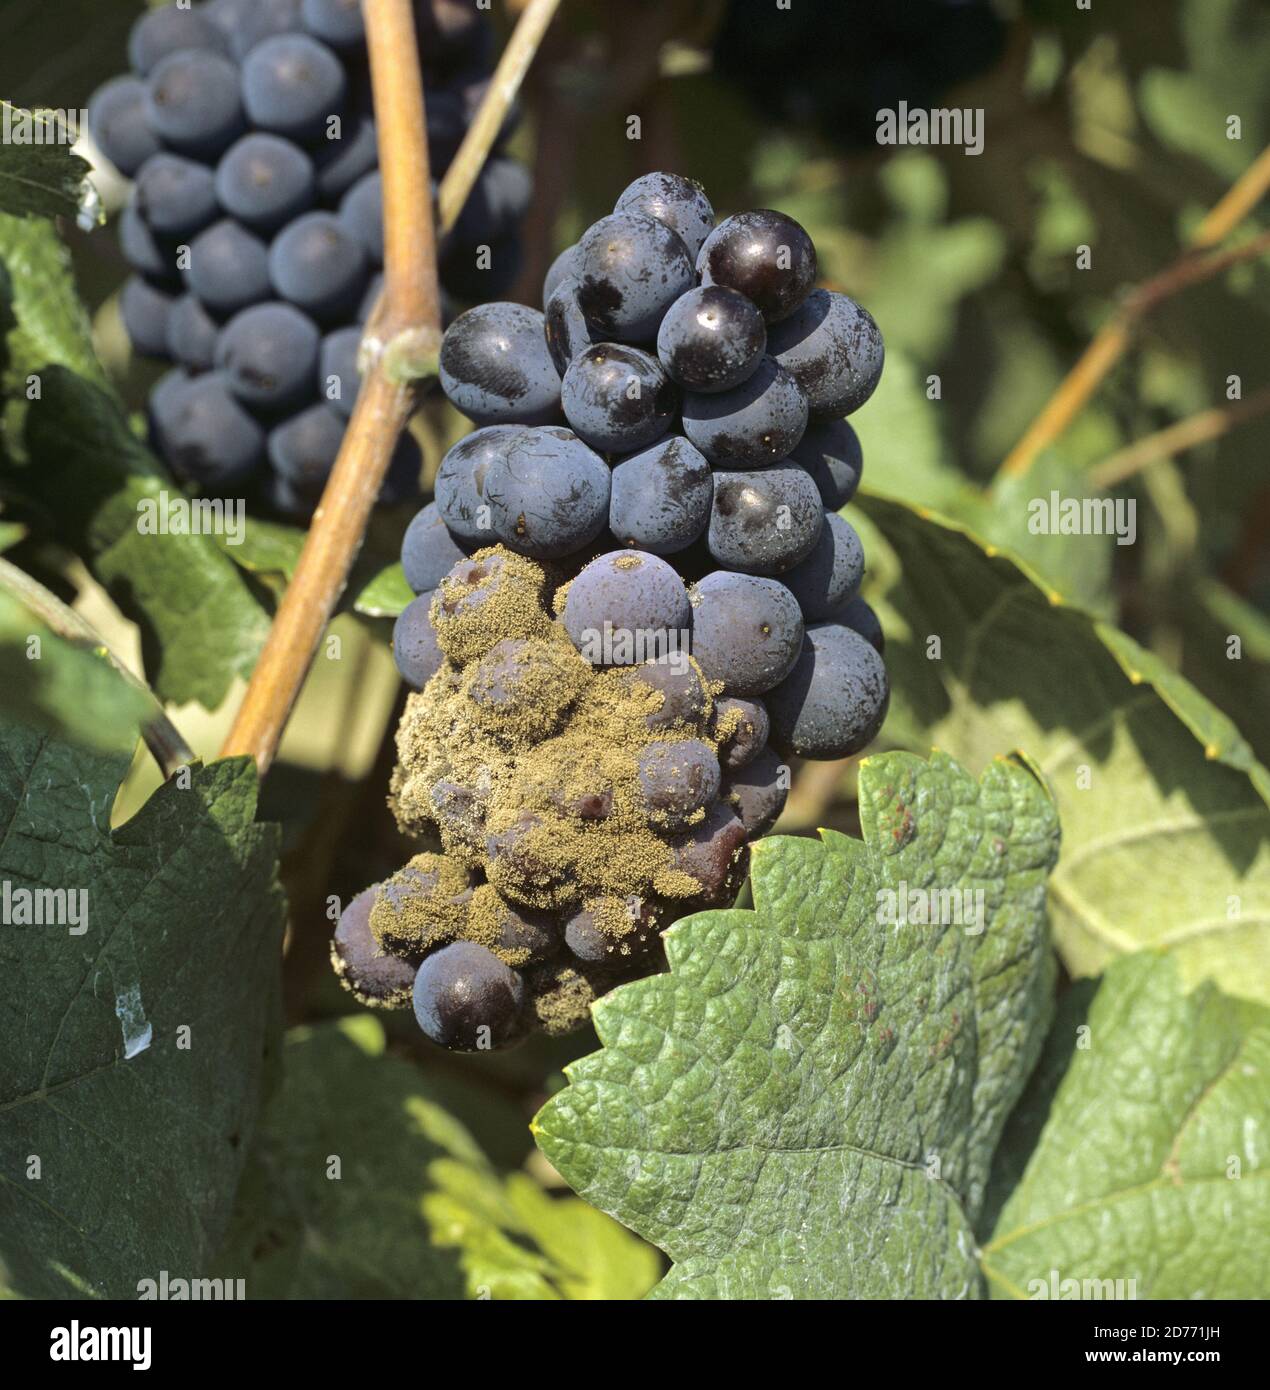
point(548, 493)
point(617, 397)
point(661, 498)
point(713, 852)
point(117, 122)
point(159, 33)
point(175, 196)
point(193, 103)
point(858, 616)
point(228, 269)
point(758, 792)
point(428, 550)
point(679, 203)
point(146, 311)
point(765, 255)
point(496, 369)
point(590, 935)
point(677, 780)
point(192, 334)
point(460, 483)
point(565, 325)
point(830, 452)
point(711, 339)
point(764, 522)
point(630, 270)
point(269, 355)
point(265, 181)
point(374, 977)
point(834, 350)
point(831, 575)
point(525, 936)
point(760, 421)
point(832, 704)
point(625, 607)
point(292, 85)
point(316, 264)
point(744, 726)
point(465, 998)
point(414, 643)
point(746, 631)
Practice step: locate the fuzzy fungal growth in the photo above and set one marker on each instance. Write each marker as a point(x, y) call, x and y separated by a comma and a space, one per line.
point(636, 601)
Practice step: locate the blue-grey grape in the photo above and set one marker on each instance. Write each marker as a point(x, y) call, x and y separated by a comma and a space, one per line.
point(679, 203)
point(269, 355)
point(758, 792)
point(265, 181)
point(677, 780)
point(291, 85)
point(617, 397)
point(833, 349)
point(624, 607)
point(832, 704)
point(831, 575)
point(192, 334)
point(376, 978)
point(460, 483)
point(146, 312)
point(548, 493)
point(362, 215)
point(630, 270)
point(428, 550)
point(117, 122)
point(414, 643)
point(560, 270)
point(193, 103)
point(204, 434)
point(175, 196)
point(317, 264)
point(496, 369)
point(228, 268)
point(661, 498)
point(565, 325)
point(764, 522)
point(338, 377)
point(859, 616)
point(747, 631)
point(831, 453)
point(159, 33)
point(760, 421)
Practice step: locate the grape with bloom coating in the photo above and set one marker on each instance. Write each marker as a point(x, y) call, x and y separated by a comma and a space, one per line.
point(617, 397)
point(711, 339)
point(760, 421)
point(661, 498)
point(833, 349)
point(830, 452)
point(460, 483)
point(764, 522)
point(548, 493)
point(626, 602)
point(678, 203)
point(831, 575)
point(746, 631)
point(630, 270)
point(496, 368)
point(414, 643)
point(832, 704)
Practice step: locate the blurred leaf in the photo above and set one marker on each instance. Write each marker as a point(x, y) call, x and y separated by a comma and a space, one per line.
point(363, 1186)
point(808, 1103)
point(376, 588)
point(1166, 832)
point(1165, 1186)
point(140, 1129)
point(37, 178)
point(200, 625)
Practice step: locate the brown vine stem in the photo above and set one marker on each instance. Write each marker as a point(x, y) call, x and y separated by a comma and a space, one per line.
point(1112, 340)
point(161, 736)
point(1176, 439)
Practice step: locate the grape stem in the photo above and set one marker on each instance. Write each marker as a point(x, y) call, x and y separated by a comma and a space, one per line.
point(161, 736)
point(1112, 340)
point(403, 337)
point(1176, 439)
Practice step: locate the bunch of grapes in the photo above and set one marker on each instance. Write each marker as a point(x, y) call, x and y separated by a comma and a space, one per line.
point(636, 598)
point(255, 226)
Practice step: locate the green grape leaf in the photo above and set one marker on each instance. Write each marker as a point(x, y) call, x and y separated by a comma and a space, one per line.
point(132, 1033)
point(364, 1186)
point(377, 587)
point(1163, 804)
point(1151, 1175)
point(200, 625)
point(808, 1103)
point(39, 176)
point(48, 683)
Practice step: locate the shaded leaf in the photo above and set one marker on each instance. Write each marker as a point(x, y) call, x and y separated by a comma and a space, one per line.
point(140, 1129)
point(43, 179)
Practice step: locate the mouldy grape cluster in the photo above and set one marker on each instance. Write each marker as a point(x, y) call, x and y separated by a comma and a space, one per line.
point(636, 598)
point(255, 228)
